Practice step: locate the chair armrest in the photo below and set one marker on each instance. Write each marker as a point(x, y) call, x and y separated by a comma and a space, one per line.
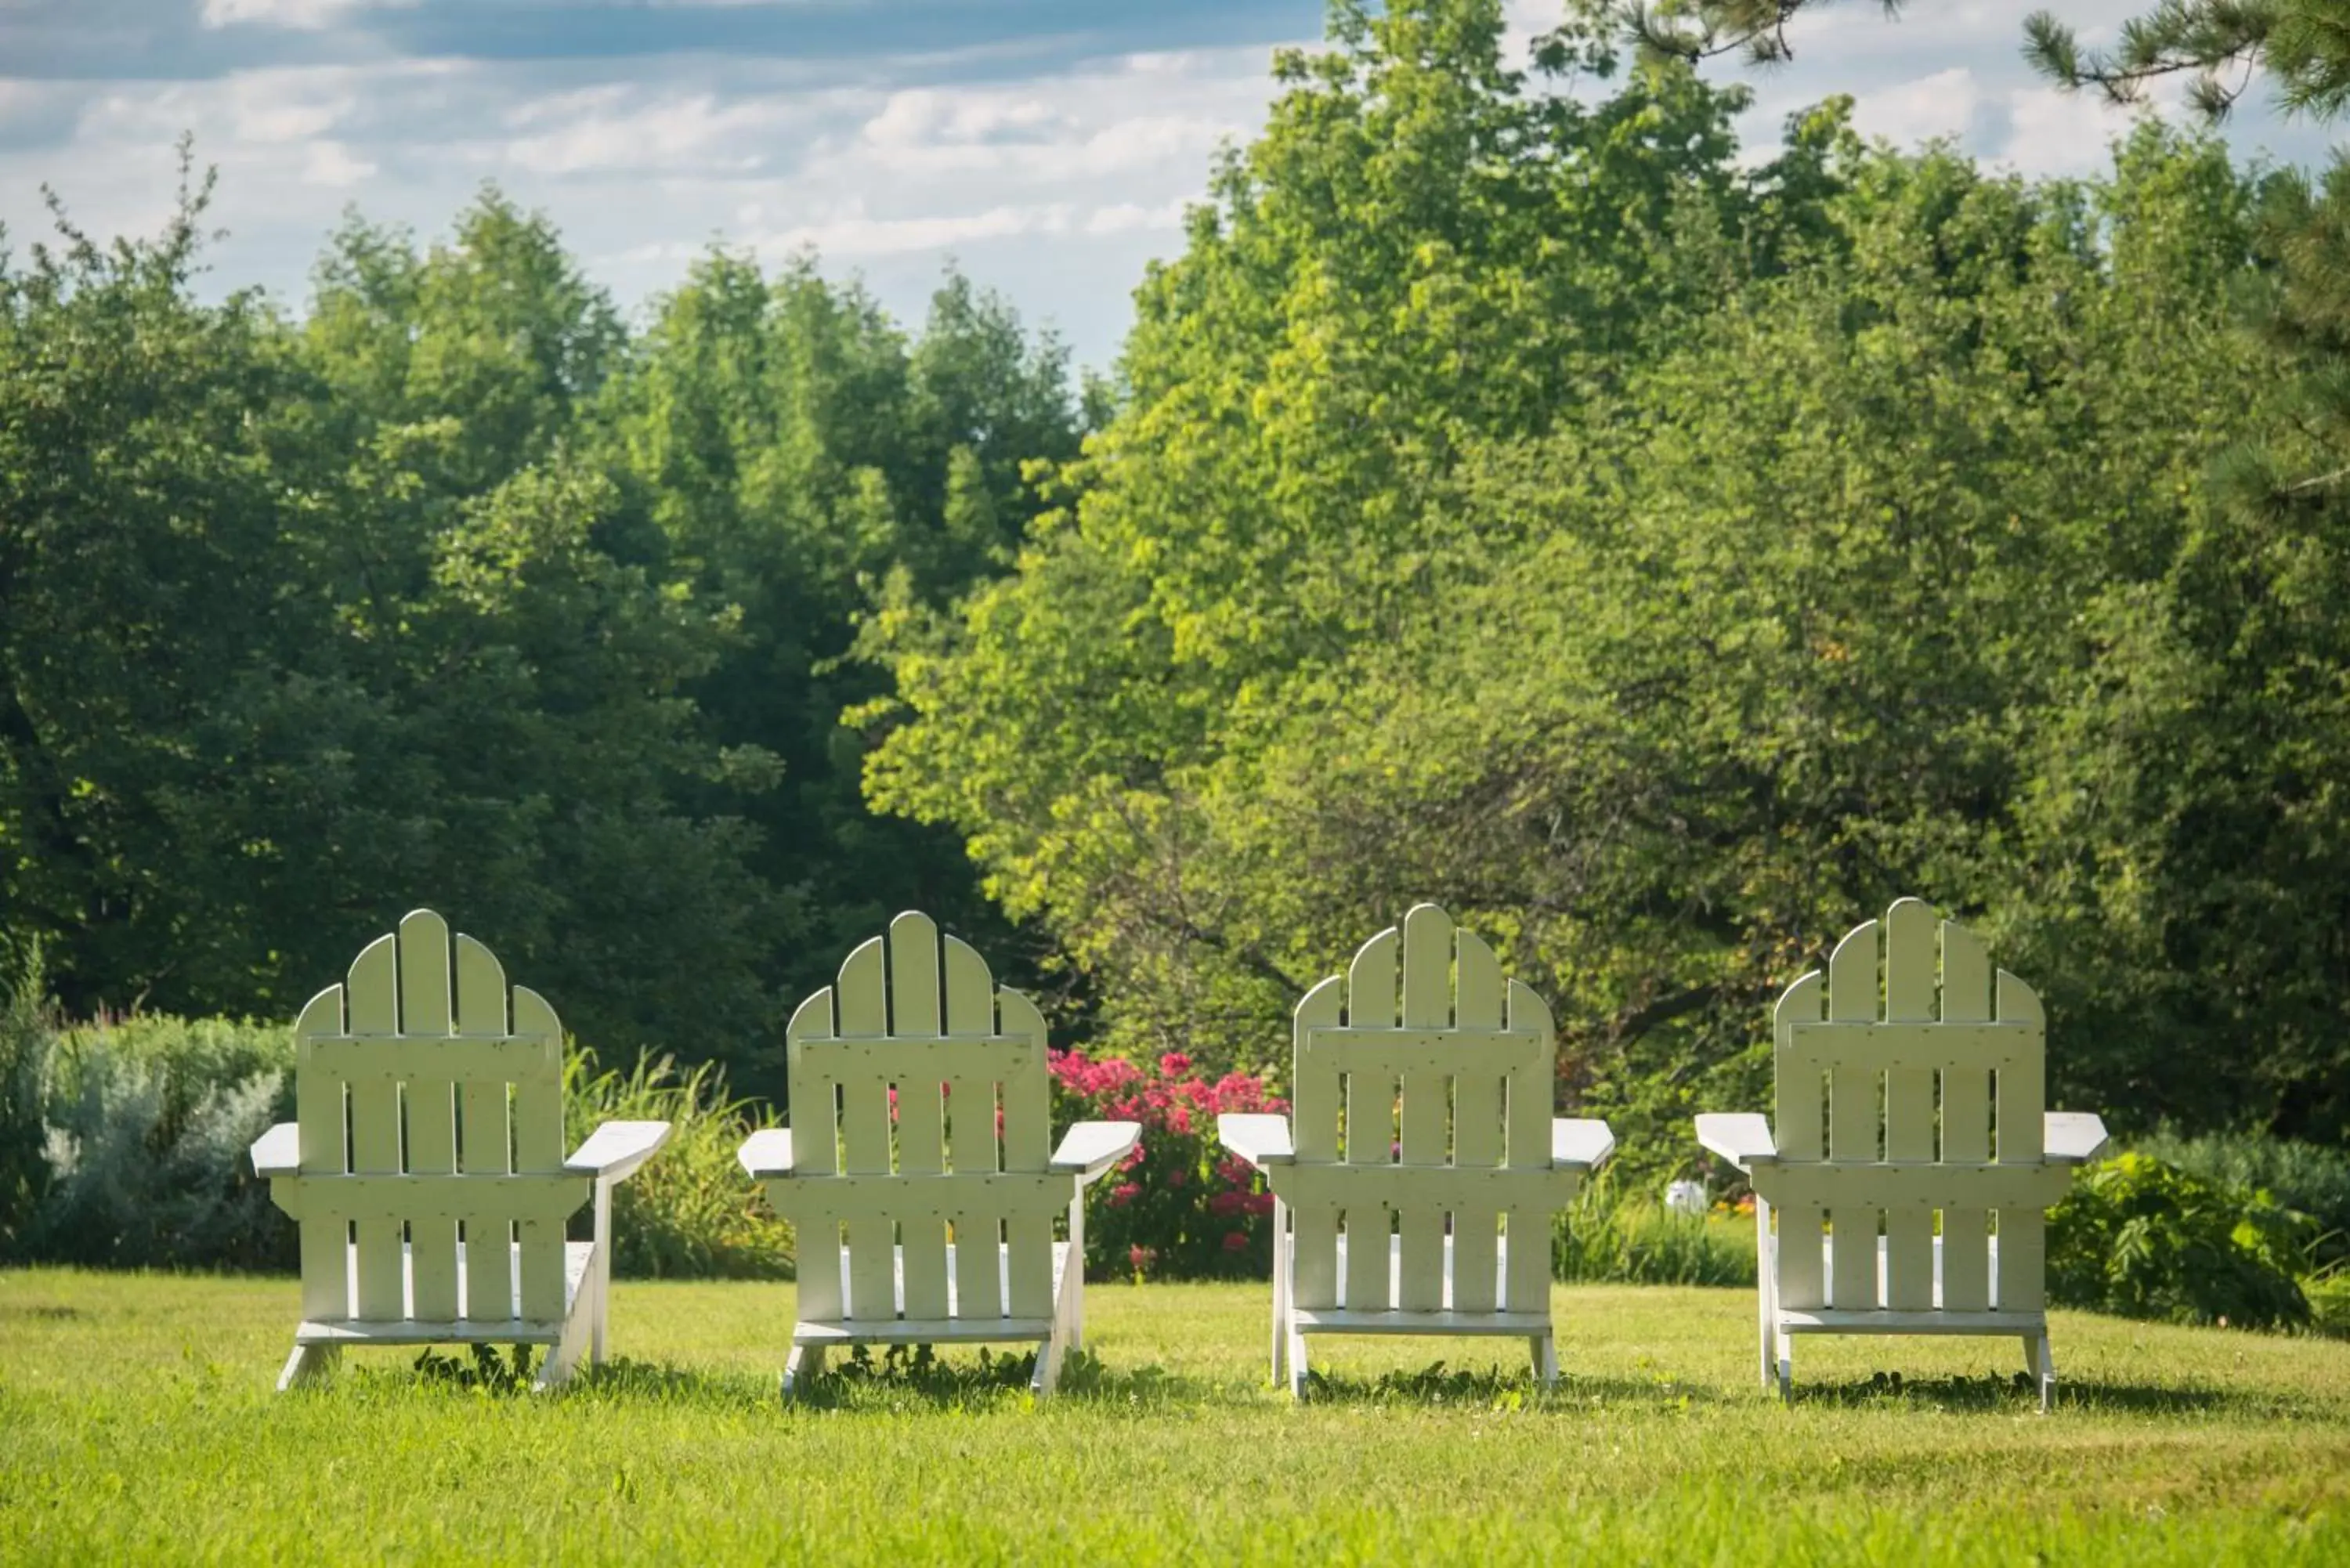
point(1257, 1136)
point(2072, 1138)
point(1579, 1144)
point(278, 1151)
point(1089, 1148)
point(613, 1150)
point(1741, 1138)
point(766, 1153)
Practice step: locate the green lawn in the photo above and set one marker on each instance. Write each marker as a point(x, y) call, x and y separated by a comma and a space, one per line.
point(137, 1424)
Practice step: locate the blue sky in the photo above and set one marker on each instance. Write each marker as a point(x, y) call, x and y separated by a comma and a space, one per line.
point(1048, 145)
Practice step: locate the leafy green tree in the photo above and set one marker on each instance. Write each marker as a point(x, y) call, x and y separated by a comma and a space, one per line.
point(1426, 250)
point(1662, 676)
point(307, 625)
point(808, 468)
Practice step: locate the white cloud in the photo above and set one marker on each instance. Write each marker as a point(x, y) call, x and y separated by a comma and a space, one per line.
point(854, 235)
point(600, 134)
point(1130, 215)
point(926, 116)
point(1942, 104)
point(333, 164)
point(1055, 183)
point(303, 15)
point(2050, 132)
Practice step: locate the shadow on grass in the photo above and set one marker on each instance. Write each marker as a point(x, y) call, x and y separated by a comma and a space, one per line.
point(1993, 1392)
point(898, 1378)
point(40, 1312)
point(1440, 1385)
point(903, 1377)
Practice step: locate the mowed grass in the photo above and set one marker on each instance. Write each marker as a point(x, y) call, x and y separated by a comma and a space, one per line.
point(137, 1424)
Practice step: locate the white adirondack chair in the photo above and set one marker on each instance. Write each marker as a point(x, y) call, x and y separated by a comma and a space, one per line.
point(945, 1044)
point(1408, 1114)
point(1893, 1150)
point(425, 1164)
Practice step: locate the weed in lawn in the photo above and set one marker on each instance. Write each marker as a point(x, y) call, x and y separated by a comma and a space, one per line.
point(485, 1371)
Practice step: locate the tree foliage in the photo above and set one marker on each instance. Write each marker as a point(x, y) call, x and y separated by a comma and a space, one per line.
point(454, 592)
point(1515, 494)
point(1782, 541)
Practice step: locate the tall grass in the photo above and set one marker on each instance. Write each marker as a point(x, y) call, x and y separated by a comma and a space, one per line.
point(1608, 1237)
point(27, 1034)
point(689, 1212)
point(123, 1143)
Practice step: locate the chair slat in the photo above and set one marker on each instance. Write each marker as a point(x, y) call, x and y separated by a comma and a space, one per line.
point(1909, 997)
point(862, 999)
point(1424, 1118)
point(1855, 1120)
point(2022, 1260)
point(1966, 1123)
point(537, 1112)
point(484, 1133)
point(319, 1108)
point(2022, 1087)
point(816, 1134)
point(1370, 1120)
point(2023, 1094)
point(914, 1008)
point(1314, 1229)
point(1532, 1093)
point(1799, 1129)
point(1027, 1147)
point(373, 989)
point(429, 1109)
point(971, 1114)
point(1479, 1107)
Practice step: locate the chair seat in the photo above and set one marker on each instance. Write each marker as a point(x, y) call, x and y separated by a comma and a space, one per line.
point(997, 1325)
point(1872, 1319)
point(1386, 1320)
point(577, 1258)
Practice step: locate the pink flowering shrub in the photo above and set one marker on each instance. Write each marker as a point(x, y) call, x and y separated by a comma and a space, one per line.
point(1180, 1208)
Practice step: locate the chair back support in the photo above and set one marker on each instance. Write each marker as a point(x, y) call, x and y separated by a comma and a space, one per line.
point(431, 1113)
point(1903, 1103)
point(1423, 1093)
point(920, 1110)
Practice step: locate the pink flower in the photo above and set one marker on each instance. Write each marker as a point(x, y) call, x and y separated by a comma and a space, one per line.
point(1174, 1065)
point(1236, 1241)
point(1124, 1193)
point(1228, 1203)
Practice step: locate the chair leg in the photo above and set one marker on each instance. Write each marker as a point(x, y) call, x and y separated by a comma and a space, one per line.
point(1048, 1364)
point(1281, 1289)
point(578, 1332)
point(806, 1362)
point(600, 1271)
point(1073, 1268)
point(2040, 1361)
point(308, 1363)
point(1545, 1347)
point(1765, 1288)
point(1297, 1367)
point(1786, 1347)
